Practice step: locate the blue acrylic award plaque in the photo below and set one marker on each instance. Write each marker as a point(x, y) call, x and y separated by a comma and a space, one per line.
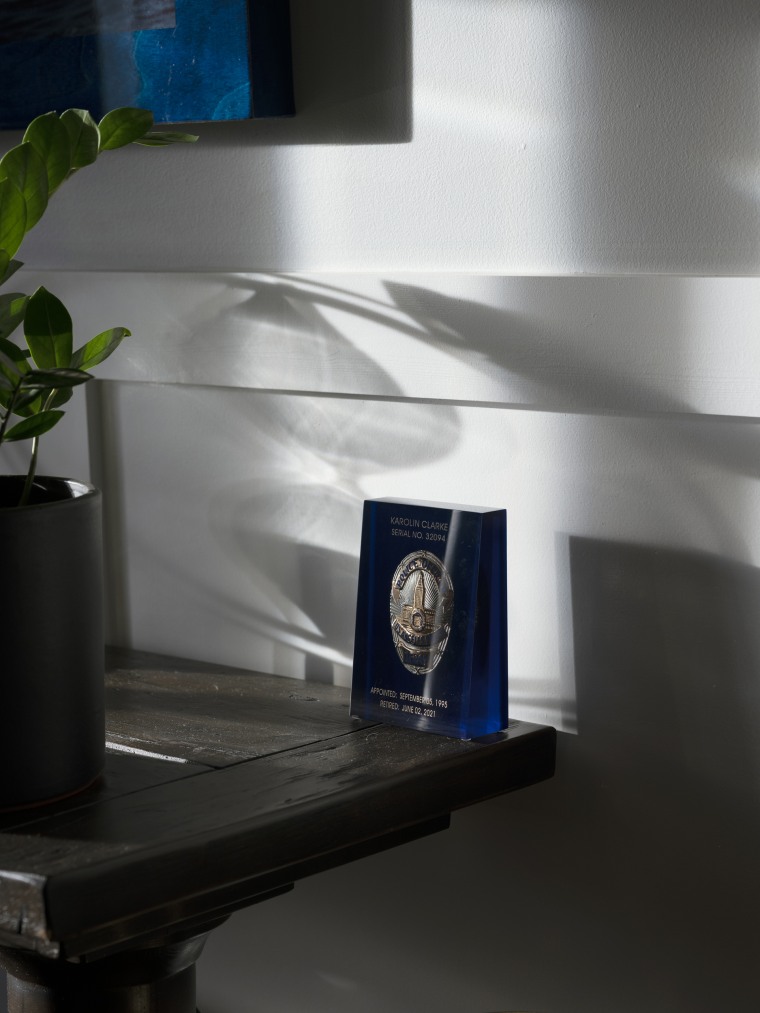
point(431, 619)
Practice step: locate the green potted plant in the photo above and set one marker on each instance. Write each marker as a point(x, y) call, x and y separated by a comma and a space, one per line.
point(52, 740)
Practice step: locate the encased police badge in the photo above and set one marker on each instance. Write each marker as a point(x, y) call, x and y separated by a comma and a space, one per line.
point(430, 645)
point(421, 606)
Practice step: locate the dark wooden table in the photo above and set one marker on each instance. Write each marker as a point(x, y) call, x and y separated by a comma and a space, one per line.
point(221, 789)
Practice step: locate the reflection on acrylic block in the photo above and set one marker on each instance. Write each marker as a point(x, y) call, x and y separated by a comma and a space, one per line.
point(431, 618)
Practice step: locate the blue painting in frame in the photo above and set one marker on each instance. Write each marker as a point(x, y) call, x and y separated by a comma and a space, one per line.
point(187, 60)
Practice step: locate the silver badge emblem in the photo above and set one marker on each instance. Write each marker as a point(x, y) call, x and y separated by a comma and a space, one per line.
point(421, 607)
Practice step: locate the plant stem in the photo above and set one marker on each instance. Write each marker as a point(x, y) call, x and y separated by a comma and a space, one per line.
point(30, 473)
point(33, 460)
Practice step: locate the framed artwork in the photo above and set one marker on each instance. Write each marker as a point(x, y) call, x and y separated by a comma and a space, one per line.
point(186, 60)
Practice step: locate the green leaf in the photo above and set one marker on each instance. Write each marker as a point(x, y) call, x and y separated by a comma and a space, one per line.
point(123, 126)
point(25, 167)
point(11, 372)
point(160, 138)
point(84, 137)
point(9, 364)
point(50, 138)
point(17, 356)
point(11, 367)
point(61, 396)
point(12, 308)
point(99, 348)
point(48, 331)
point(8, 267)
point(50, 379)
point(12, 217)
point(30, 403)
point(34, 426)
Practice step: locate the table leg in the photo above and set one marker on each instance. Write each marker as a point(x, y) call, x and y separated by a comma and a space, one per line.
point(153, 979)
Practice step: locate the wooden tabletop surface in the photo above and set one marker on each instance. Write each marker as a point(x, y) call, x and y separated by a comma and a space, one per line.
point(223, 787)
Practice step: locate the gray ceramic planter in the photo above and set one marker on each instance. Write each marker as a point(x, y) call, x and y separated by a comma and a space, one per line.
point(52, 726)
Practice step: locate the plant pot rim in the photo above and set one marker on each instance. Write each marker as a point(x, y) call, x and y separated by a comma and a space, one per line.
point(77, 491)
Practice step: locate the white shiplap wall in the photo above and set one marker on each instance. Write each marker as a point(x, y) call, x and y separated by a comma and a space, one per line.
point(637, 343)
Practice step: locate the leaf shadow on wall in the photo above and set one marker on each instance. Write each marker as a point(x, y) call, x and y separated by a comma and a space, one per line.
point(292, 532)
point(512, 352)
point(294, 529)
point(254, 540)
point(539, 362)
point(542, 365)
point(285, 513)
point(279, 332)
